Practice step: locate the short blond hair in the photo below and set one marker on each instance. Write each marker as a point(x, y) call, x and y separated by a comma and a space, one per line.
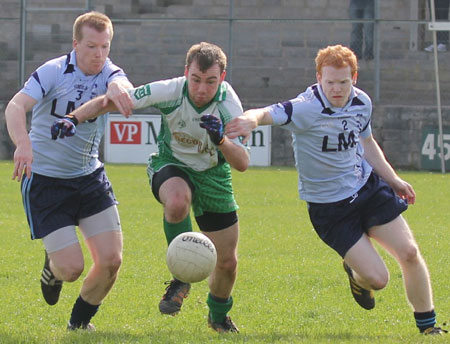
point(95, 20)
point(336, 56)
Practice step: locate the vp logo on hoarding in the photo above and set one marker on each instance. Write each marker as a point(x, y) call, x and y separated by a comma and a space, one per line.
point(125, 132)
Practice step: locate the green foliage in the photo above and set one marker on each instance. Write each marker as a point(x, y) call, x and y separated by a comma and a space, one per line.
point(291, 288)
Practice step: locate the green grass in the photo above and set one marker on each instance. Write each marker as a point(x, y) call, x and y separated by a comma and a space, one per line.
point(291, 288)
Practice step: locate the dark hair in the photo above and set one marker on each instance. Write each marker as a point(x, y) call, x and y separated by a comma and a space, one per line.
point(206, 55)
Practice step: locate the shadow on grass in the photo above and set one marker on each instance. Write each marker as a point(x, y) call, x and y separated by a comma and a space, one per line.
point(177, 336)
point(313, 338)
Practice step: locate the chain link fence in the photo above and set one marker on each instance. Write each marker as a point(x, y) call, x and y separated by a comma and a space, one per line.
point(270, 45)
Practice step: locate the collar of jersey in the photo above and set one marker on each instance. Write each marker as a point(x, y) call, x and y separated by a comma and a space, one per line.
point(219, 97)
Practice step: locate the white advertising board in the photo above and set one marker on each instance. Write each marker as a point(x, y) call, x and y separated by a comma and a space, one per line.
point(132, 140)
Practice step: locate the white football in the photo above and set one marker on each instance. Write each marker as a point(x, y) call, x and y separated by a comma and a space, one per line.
point(191, 257)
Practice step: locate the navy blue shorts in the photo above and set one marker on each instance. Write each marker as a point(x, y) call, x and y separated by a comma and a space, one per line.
point(341, 224)
point(54, 203)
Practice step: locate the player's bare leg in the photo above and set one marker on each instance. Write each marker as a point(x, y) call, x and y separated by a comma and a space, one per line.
point(64, 265)
point(175, 195)
point(397, 239)
point(67, 264)
point(366, 270)
point(106, 252)
point(103, 238)
point(222, 279)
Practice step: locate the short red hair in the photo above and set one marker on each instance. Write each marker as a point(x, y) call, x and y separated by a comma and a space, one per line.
point(336, 56)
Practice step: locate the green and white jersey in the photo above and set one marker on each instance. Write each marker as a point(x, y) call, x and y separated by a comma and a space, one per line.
point(181, 139)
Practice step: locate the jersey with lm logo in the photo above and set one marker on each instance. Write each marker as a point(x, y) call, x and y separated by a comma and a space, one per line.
point(60, 87)
point(326, 141)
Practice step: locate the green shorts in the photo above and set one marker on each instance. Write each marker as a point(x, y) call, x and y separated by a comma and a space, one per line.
point(213, 190)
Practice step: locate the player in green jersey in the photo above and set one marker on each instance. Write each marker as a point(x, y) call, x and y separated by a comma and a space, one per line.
point(193, 167)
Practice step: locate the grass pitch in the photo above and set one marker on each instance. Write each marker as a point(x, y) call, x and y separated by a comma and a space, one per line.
point(291, 288)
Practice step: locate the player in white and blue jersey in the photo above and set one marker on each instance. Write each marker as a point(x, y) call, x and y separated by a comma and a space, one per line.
point(353, 194)
point(63, 182)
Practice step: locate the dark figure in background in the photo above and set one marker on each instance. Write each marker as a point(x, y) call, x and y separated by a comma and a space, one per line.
point(441, 13)
point(362, 32)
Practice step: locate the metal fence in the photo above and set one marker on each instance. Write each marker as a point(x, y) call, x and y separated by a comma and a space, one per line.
point(270, 44)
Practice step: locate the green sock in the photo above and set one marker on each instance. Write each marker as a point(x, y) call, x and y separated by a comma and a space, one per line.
point(218, 308)
point(173, 229)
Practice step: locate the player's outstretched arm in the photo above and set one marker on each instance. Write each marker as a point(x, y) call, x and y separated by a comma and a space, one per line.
point(243, 125)
point(375, 157)
point(15, 115)
point(118, 94)
point(93, 109)
point(66, 126)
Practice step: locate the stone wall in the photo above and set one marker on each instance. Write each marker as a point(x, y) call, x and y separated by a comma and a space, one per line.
point(271, 47)
point(269, 59)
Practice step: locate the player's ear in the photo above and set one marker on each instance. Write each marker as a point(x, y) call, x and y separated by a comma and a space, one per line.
point(222, 76)
point(74, 43)
point(186, 71)
point(318, 77)
point(354, 78)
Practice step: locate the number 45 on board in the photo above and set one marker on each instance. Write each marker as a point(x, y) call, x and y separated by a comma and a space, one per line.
point(432, 142)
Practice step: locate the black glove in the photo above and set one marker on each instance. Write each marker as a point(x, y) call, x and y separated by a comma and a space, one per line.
point(214, 127)
point(65, 126)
